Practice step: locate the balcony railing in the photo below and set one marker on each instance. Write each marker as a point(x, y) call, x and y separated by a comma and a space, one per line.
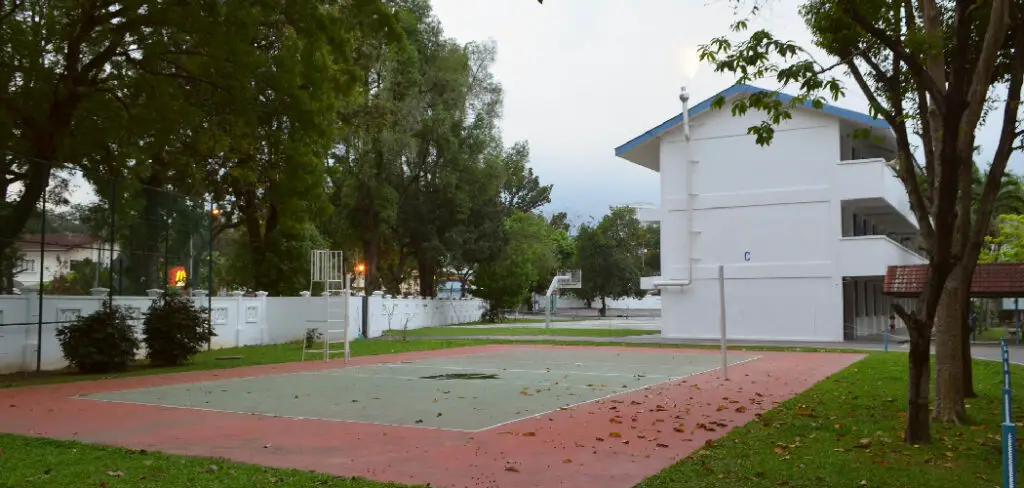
point(870, 179)
point(872, 255)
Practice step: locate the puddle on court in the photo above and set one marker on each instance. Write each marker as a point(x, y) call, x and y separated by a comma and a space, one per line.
point(461, 376)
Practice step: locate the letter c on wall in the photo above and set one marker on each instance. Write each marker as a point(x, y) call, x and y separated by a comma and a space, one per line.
point(746, 256)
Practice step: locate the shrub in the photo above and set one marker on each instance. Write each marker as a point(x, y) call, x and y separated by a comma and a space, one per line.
point(313, 336)
point(101, 342)
point(174, 330)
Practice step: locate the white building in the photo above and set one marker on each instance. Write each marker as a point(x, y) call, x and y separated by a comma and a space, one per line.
point(804, 227)
point(60, 252)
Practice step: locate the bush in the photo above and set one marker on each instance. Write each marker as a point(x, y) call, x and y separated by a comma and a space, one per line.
point(175, 330)
point(101, 342)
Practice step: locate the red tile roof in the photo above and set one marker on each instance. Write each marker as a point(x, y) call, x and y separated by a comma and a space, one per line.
point(990, 280)
point(66, 240)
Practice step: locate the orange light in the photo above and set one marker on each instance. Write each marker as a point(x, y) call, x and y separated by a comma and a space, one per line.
point(360, 268)
point(215, 211)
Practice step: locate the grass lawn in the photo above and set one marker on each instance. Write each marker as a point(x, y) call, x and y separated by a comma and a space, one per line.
point(520, 331)
point(844, 431)
point(847, 431)
point(993, 334)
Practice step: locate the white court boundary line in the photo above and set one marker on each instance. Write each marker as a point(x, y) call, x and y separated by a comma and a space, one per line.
point(386, 424)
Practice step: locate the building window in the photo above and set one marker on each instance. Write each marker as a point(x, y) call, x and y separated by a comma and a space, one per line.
point(26, 265)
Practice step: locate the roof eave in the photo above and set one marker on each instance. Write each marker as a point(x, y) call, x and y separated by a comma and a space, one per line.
point(740, 89)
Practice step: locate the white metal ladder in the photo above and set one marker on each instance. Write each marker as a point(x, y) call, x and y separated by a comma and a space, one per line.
point(326, 268)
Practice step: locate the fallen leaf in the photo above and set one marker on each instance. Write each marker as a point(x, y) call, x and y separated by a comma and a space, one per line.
point(741, 409)
point(567, 461)
point(780, 451)
point(679, 428)
point(115, 474)
point(614, 434)
point(614, 420)
point(661, 445)
point(512, 469)
point(529, 434)
point(721, 407)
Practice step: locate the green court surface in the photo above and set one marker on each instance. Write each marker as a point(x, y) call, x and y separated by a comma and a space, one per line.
point(467, 392)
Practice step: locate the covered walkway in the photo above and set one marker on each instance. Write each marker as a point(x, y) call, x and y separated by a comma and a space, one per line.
point(991, 280)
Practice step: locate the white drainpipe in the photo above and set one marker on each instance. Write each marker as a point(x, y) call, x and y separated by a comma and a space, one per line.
point(684, 97)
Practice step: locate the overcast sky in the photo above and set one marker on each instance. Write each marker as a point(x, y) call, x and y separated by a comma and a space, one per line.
point(584, 76)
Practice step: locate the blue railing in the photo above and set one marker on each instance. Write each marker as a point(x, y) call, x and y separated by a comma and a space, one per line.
point(1009, 429)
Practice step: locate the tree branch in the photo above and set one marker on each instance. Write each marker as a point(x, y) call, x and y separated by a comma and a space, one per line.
point(934, 88)
point(1008, 136)
point(10, 12)
point(994, 38)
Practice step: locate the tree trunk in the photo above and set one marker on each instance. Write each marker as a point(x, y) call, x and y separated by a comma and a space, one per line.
point(949, 348)
point(426, 269)
point(604, 308)
point(918, 428)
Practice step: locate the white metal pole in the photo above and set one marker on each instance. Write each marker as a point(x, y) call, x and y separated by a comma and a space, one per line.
point(721, 319)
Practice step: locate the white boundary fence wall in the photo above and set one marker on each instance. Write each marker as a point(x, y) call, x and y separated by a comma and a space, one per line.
point(237, 320)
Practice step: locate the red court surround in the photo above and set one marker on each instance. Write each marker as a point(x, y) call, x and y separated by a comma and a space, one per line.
point(572, 447)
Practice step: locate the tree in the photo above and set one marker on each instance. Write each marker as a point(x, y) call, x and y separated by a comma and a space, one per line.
point(521, 189)
point(926, 67)
point(1009, 200)
point(505, 281)
point(83, 70)
point(609, 256)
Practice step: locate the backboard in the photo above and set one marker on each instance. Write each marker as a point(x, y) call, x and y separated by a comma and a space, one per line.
point(575, 278)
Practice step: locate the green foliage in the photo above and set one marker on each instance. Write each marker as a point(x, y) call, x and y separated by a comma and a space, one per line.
point(505, 282)
point(1007, 245)
point(309, 124)
point(101, 342)
point(175, 329)
point(610, 256)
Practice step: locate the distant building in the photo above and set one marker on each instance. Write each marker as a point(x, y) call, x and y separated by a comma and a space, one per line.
point(59, 252)
point(804, 227)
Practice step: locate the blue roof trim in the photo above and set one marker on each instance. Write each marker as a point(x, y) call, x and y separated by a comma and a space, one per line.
point(741, 88)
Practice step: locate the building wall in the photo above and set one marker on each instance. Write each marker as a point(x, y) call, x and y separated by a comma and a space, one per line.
point(767, 215)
